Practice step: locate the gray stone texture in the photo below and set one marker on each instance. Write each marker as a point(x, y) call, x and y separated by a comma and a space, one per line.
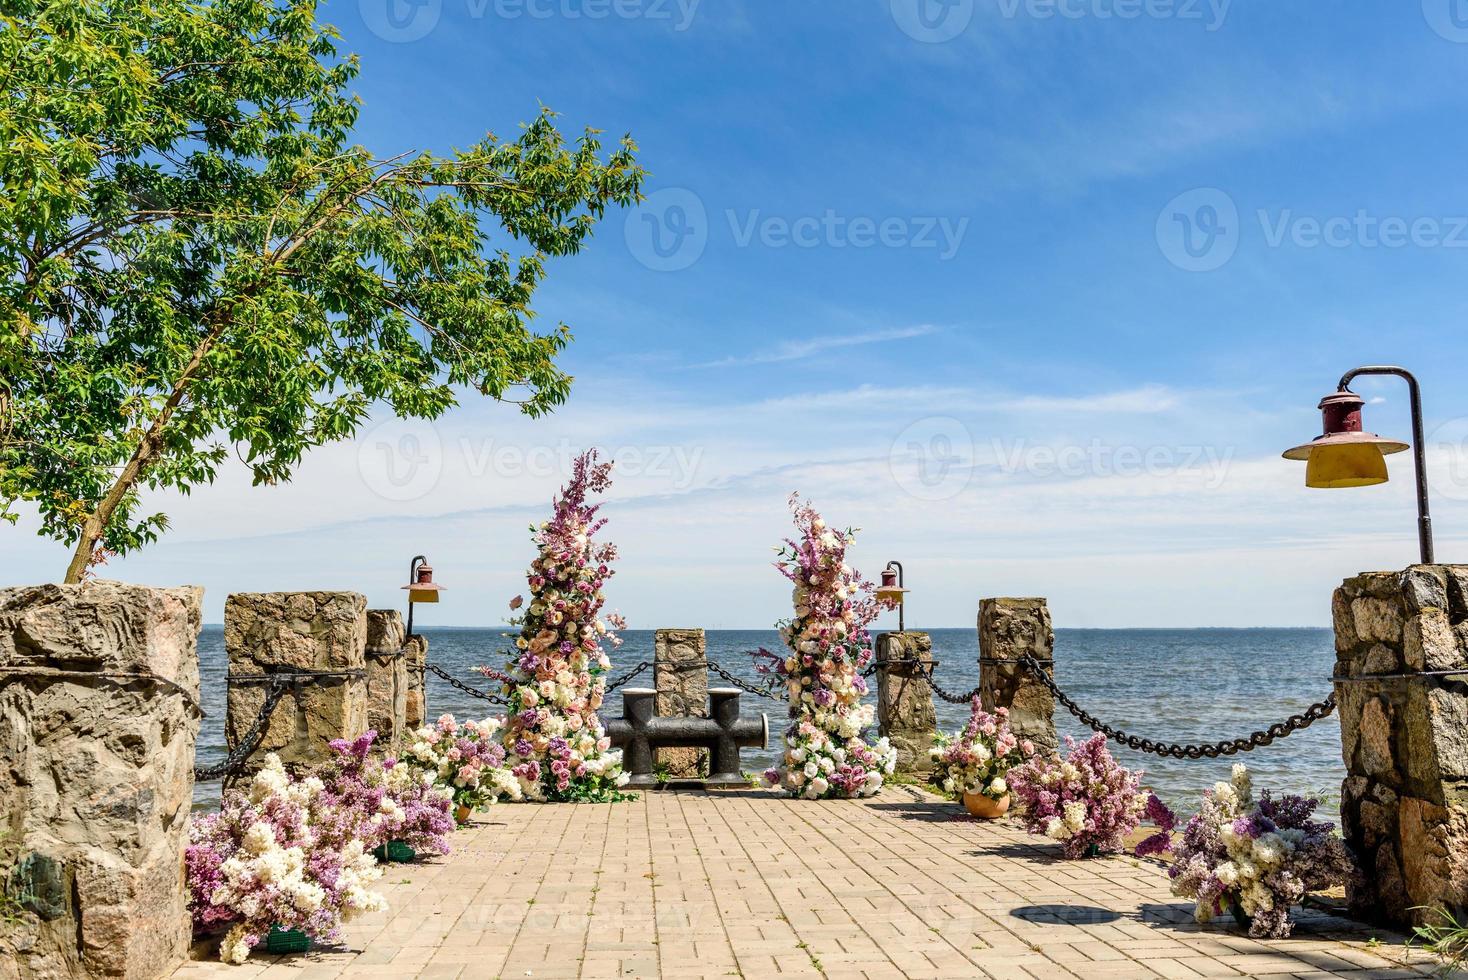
point(1404, 803)
point(99, 688)
point(387, 678)
point(415, 704)
point(680, 675)
point(905, 711)
point(272, 632)
point(1009, 629)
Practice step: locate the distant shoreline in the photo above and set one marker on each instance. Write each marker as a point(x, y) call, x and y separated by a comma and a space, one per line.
point(927, 629)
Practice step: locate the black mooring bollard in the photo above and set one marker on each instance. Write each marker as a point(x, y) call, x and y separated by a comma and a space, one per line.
point(639, 732)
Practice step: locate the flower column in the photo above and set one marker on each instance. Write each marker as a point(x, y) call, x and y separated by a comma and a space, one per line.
point(554, 682)
point(825, 754)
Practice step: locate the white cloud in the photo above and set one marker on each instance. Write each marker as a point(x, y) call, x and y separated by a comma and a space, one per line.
point(794, 350)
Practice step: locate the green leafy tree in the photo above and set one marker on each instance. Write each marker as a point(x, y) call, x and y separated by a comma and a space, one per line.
point(196, 259)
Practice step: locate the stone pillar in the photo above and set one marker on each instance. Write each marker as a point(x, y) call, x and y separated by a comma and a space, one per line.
point(905, 700)
point(297, 632)
point(415, 657)
point(1404, 739)
point(387, 678)
point(99, 689)
point(680, 674)
point(1009, 629)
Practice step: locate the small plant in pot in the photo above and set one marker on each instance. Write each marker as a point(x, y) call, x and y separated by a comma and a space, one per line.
point(975, 763)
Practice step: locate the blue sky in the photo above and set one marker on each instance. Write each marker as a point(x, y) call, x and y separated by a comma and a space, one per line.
point(1033, 292)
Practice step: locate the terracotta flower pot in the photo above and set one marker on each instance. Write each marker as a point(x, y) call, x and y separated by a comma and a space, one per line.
point(984, 808)
point(461, 815)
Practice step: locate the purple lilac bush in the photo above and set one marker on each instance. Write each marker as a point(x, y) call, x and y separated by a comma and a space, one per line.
point(381, 801)
point(1264, 855)
point(1085, 801)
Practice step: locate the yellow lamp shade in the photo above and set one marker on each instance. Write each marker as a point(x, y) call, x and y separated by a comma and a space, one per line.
point(1358, 465)
point(430, 594)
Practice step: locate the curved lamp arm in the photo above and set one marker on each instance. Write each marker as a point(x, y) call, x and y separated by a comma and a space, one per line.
point(1419, 456)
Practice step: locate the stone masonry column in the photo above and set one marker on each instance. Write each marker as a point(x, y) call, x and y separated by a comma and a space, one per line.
point(415, 656)
point(1009, 629)
point(387, 678)
point(297, 632)
point(1404, 739)
point(680, 674)
point(904, 699)
point(99, 690)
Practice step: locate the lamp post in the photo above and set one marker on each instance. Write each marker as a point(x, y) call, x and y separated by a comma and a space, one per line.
point(892, 592)
point(421, 586)
point(1347, 456)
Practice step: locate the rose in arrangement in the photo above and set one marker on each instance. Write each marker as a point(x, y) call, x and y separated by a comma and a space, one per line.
point(978, 759)
point(1264, 855)
point(389, 800)
point(274, 855)
point(1086, 801)
point(825, 753)
point(464, 760)
point(555, 680)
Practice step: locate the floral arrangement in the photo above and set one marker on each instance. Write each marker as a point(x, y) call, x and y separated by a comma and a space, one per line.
point(464, 760)
point(1259, 857)
point(1085, 801)
point(391, 801)
point(555, 680)
point(978, 759)
point(275, 856)
point(825, 754)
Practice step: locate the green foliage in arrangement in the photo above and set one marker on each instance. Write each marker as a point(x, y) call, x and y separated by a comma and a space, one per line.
point(196, 259)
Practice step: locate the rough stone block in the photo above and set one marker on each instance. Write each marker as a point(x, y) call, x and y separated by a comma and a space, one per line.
point(1009, 629)
point(415, 705)
point(680, 675)
point(283, 632)
point(387, 678)
point(905, 711)
point(99, 688)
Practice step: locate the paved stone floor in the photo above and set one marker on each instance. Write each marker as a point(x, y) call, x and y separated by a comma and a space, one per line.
point(746, 883)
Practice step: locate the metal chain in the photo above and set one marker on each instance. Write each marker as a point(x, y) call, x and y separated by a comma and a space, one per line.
point(757, 690)
point(1212, 750)
point(926, 669)
point(459, 685)
point(249, 741)
point(612, 685)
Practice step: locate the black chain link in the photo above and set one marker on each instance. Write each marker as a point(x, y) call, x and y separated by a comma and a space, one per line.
point(459, 685)
point(249, 741)
point(758, 690)
point(926, 669)
point(1212, 750)
point(612, 685)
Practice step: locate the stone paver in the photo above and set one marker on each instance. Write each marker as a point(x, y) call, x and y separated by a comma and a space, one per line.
point(747, 883)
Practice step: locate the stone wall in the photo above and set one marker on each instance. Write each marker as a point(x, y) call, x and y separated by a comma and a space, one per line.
point(1009, 629)
point(680, 674)
point(1404, 739)
point(905, 700)
point(387, 678)
point(415, 704)
point(276, 632)
point(99, 688)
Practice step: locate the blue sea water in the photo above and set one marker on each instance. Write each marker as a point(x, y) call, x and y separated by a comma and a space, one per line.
point(1187, 685)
